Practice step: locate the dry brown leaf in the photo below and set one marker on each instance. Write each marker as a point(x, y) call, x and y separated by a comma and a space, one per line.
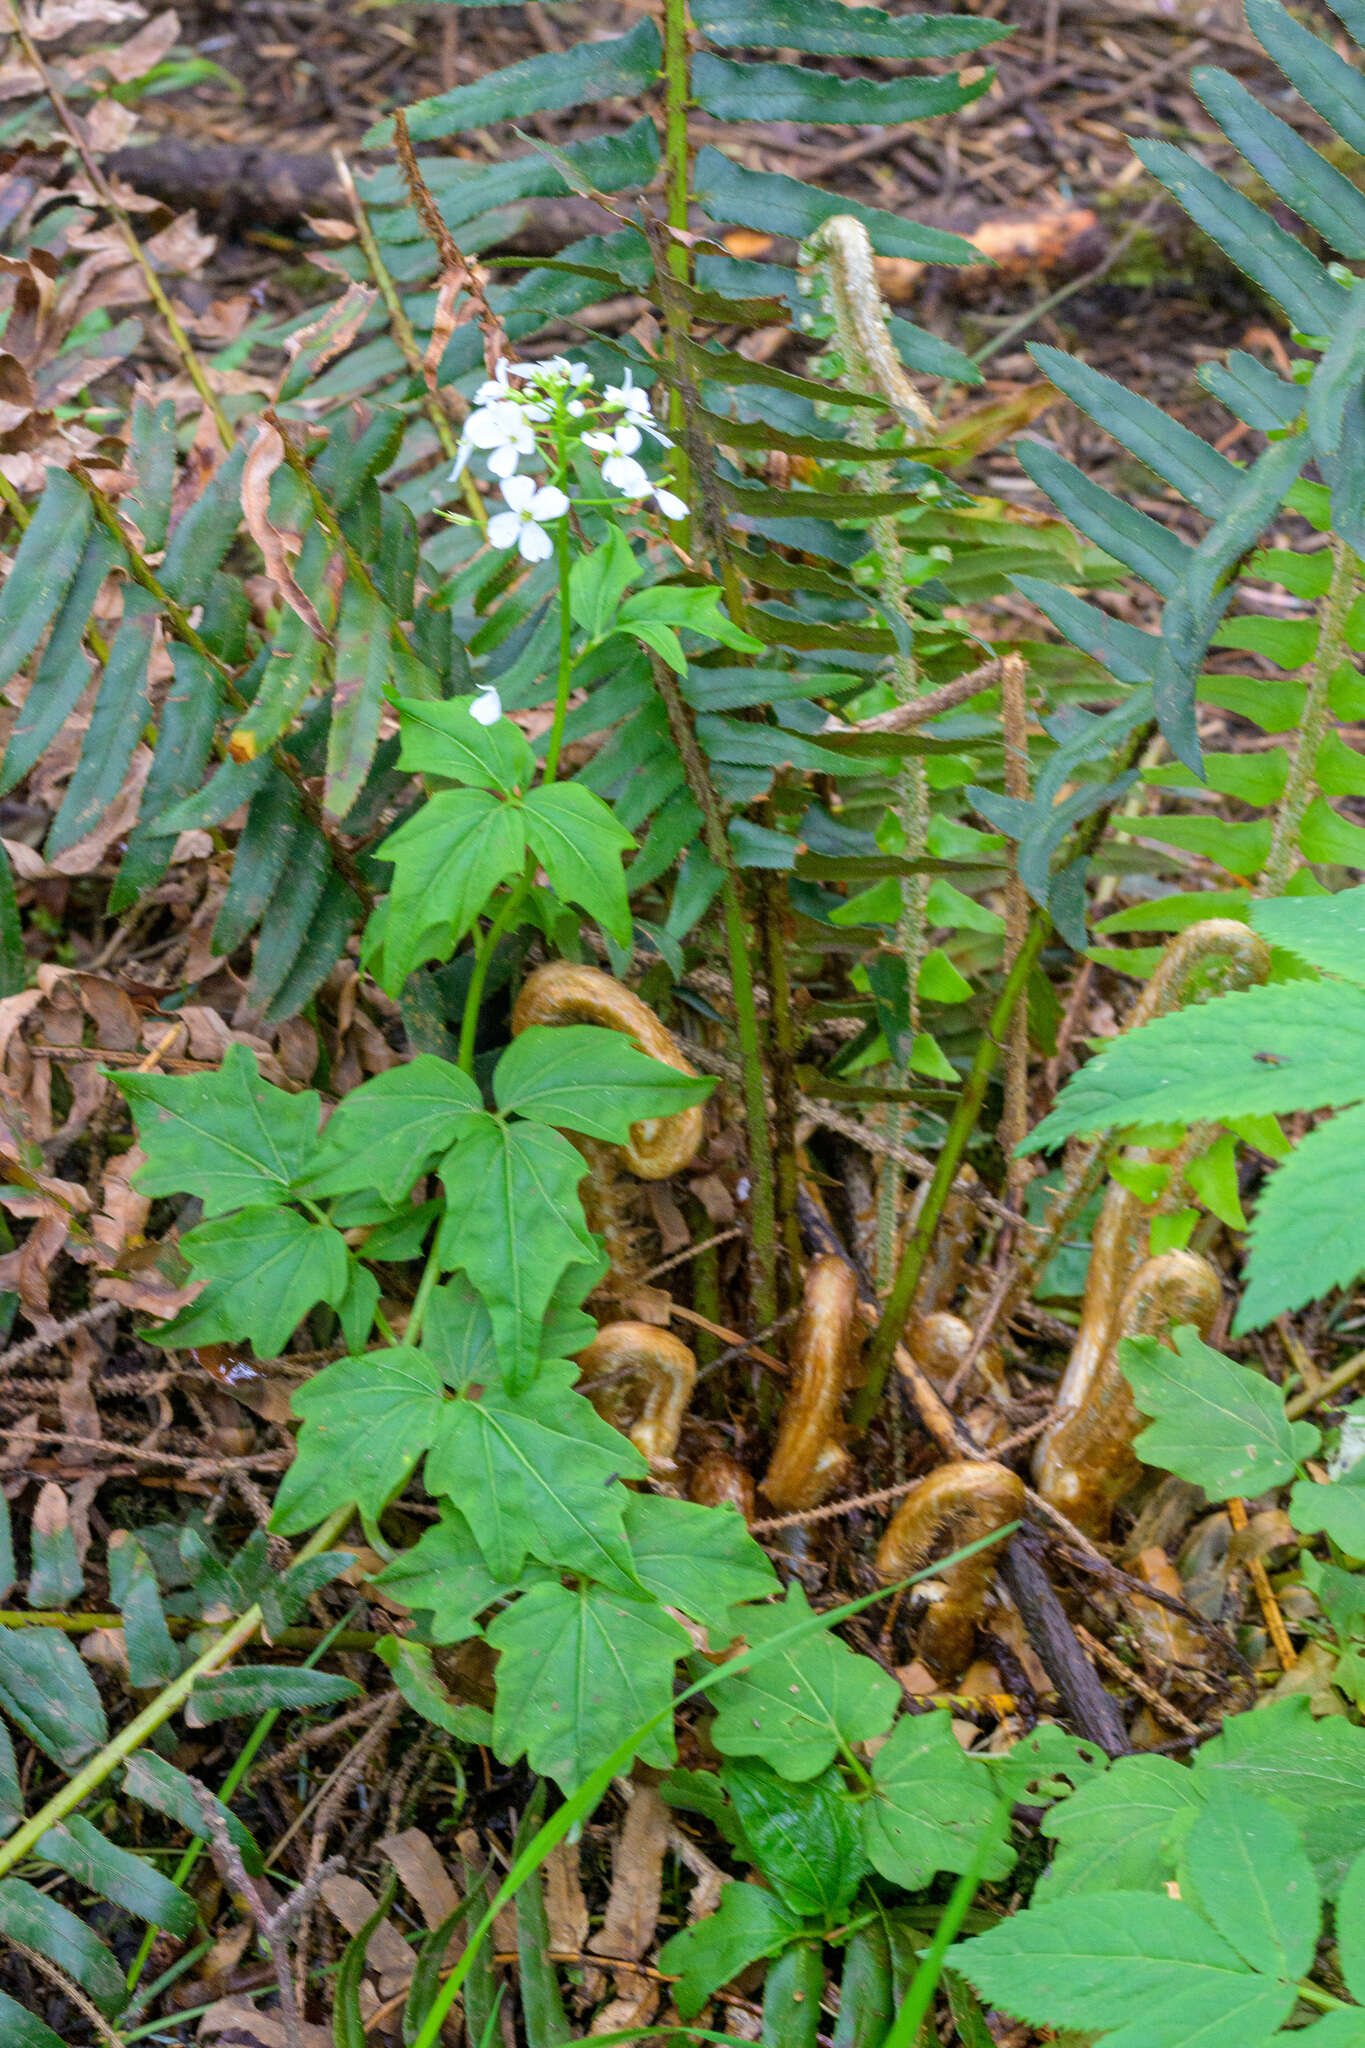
point(181, 246)
point(340, 324)
point(236, 2023)
point(386, 1950)
point(566, 1908)
point(418, 1862)
point(141, 52)
point(277, 545)
point(54, 18)
point(636, 1881)
point(107, 127)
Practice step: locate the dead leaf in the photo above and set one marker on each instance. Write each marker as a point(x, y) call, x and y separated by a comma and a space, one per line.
point(181, 246)
point(46, 22)
point(386, 1952)
point(142, 52)
point(236, 2023)
point(335, 329)
point(418, 1862)
point(279, 547)
point(107, 127)
point(636, 1883)
point(566, 1908)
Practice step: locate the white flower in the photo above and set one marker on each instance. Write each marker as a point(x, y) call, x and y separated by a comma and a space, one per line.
point(497, 386)
point(521, 526)
point(669, 504)
point(630, 399)
point(626, 475)
point(487, 706)
point(502, 431)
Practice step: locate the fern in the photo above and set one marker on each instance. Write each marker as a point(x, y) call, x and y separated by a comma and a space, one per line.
point(1292, 1046)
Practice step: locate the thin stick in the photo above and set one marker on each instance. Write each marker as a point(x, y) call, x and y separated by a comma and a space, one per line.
point(1265, 1593)
point(1311, 1397)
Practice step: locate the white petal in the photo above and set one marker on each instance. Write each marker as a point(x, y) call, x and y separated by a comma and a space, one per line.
point(503, 529)
point(503, 461)
point(519, 491)
point(549, 502)
point(535, 543)
point(605, 444)
point(627, 438)
point(462, 455)
point(626, 475)
point(670, 504)
point(487, 707)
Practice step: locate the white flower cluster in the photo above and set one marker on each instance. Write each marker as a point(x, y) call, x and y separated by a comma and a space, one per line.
point(539, 409)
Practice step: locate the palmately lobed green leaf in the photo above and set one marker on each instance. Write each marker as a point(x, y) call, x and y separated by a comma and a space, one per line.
point(578, 1670)
point(797, 1707)
point(386, 1132)
point(701, 1560)
point(446, 740)
point(447, 859)
point(228, 1137)
point(1113, 1833)
point(1311, 1770)
point(273, 1265)
point(585, 1078)
point(366, 1423)
point(931, 1805)
point(445, 1575)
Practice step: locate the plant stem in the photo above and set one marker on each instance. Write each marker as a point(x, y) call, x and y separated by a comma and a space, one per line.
point(677, 174)
point(1301, 780)
point(484, 950)
point(167, 1702)
point(888, 1334)
point(564, 563)
point(774, 911)
point(906, 2028)
point(180, 1626)
point(762, 1212)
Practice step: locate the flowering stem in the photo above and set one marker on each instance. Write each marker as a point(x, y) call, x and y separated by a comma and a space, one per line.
point(484, 949)
point(564, 562)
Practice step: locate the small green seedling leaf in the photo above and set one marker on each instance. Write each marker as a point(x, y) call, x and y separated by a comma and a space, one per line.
point(930, 1805)
point(797, 1710)
point(748, 1923)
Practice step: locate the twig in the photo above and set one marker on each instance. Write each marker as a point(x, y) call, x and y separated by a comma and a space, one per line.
point(905, 717)
point(1089, 1705)
point(1160, 1706)
point(692, 1251)
point(275, 1927)
point(34, 1347)
point(1265, 1593)
point(1311, 1397)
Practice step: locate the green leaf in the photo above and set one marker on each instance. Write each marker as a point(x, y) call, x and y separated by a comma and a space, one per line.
point(278, 1264)
point(1312, 1771)
point(579, 844)
point(366, 1422)
point(1142, 1964)
point(445, 1576)
point(1267, 253)
point(1296, 173)
point(11, 1792)
point(362, 669)
point(1213, 1178)
point(414, 1674)
point(152, 1656)
point(29, 1916)
point(446, 740)
point(121, 710)
point(250, 1689)
point(1219, 1425)
point(1112, 1833)
point(447, 861)
point(386, 1132)
point(598, 581)
point(748, 1923)
point(796, 1708)
point(50, 1696)
point(63, 673)
point(1345, 2029)
point(1308, 1233)
point(787, 92)
point(21, 2029)
point(1327, 81)
point(349, 2023)
point(534, 1473)
point(44, 566)
point(150, 1781)
point(1336, 1509)
point(1326, 931)
point(1255, 1051)
point(930, 1805)
point(1245, 1869)
point(578, 1669)
point(588, 1079)
point(804, 1838)
point(780, 205)
point(619, 67)
point(1140, 542)
point(827, 28)
point(189, 721)
point(1185, 461)
point(513, 1223)
point(55, 1575)
point(129, 1881)
point(1350, 1928)
point(701, 1560)
point(228, 1137)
